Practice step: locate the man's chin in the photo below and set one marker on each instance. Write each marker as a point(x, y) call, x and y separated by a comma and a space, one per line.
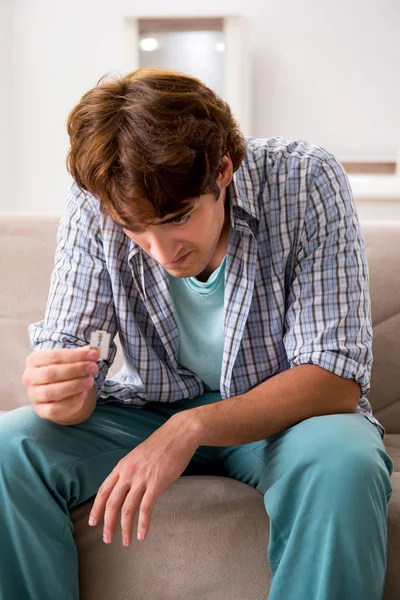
point(182, 273)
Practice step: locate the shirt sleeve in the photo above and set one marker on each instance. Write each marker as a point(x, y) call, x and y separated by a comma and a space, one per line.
point(328, 316)
point(80, 298)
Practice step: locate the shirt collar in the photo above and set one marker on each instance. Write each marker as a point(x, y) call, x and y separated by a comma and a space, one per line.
point(244, 209)
point(243, 196)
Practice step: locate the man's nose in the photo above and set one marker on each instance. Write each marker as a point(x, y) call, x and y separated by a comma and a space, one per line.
point(163, 249)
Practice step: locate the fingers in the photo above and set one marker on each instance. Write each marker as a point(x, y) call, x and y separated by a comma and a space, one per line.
point(54, 375)
point(146, 512)
point(113, 498)
point(61, 391)
point(57, 410)
point(57, 356)
point(132, 502)
point(102, 497)
point(121, 496)
point(61, 372)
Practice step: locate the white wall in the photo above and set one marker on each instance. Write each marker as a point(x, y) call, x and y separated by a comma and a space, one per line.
point(322, 71)
point(6, 139)
point(330, 74)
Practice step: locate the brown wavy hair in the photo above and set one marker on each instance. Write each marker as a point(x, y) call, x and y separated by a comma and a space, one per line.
point(149, 143)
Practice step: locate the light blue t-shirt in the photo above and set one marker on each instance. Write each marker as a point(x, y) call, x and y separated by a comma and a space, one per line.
point(199, 312)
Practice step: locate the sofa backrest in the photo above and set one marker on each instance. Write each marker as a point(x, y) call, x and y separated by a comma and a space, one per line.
point(27, 248)
point(383, 251)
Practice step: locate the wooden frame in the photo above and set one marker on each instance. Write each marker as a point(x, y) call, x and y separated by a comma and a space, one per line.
point(237, 70)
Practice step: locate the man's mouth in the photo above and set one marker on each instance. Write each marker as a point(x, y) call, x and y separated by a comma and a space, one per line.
point(180, 260)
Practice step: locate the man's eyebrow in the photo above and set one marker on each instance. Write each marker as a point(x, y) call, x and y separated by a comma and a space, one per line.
point(128, 227)
point(163, 222)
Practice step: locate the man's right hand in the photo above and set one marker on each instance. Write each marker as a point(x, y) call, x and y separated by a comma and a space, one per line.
point(58, 381)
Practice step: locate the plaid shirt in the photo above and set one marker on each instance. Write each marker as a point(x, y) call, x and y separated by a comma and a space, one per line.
point(296, 285)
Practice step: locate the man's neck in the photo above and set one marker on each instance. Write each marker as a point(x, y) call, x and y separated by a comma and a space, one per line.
point(221, 249)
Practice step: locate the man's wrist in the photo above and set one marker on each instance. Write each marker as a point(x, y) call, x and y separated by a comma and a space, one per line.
point(190, 424)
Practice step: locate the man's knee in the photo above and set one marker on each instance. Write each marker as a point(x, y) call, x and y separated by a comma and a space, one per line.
point(344, 449)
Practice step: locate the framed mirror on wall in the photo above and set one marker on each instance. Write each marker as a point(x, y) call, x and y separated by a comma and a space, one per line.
point(214, 49)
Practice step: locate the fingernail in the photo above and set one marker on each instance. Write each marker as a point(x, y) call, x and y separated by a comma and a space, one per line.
point(140, 536)
point(125, 543)
point(93, 354)
point(106, 539)
point(91, 521)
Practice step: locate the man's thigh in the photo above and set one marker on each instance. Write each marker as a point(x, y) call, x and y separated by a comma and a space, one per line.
point(317, 442)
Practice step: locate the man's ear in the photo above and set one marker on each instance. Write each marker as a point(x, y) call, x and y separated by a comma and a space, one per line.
point(225, 172)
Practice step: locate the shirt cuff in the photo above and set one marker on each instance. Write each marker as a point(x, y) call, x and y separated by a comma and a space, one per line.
point(339, 365)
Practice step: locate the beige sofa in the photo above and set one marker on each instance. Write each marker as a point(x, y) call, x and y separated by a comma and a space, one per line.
point(209, 534)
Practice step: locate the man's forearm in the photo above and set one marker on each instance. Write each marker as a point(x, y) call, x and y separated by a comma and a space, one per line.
point(273, 406)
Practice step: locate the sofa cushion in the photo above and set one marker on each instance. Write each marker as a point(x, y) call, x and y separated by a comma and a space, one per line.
point(207, 540)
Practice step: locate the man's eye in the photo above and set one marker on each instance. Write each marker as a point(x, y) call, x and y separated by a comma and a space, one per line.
point(182, 220)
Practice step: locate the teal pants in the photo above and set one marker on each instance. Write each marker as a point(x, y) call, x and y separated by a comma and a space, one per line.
point(325, 482)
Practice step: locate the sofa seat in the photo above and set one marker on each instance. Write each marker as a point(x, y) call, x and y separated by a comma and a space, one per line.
point(209, 537)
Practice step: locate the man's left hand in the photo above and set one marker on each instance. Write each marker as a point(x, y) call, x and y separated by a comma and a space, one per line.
point(142, 476)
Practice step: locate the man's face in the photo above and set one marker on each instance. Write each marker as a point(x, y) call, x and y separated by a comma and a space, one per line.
point(194, 240)
point(185, 245)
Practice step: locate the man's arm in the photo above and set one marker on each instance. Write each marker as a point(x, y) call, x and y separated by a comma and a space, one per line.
point(80, 298)
point(327, 332)
point(274, 405)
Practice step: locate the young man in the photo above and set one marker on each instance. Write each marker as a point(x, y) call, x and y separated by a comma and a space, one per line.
point(235, 273)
